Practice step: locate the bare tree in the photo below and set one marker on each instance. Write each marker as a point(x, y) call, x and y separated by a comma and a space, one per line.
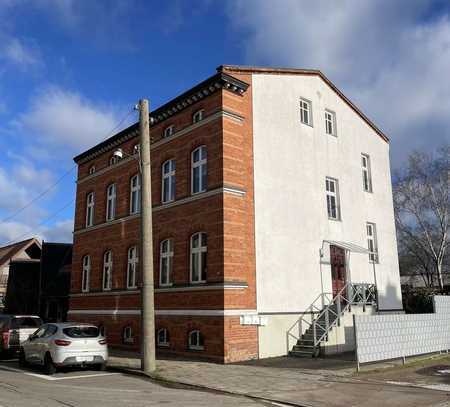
point(422, 212)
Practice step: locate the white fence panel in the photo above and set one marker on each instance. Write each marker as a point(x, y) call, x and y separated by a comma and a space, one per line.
point(381, 337)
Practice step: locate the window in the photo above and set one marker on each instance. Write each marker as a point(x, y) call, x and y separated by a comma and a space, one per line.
point(86, 274)
point(197, 116)
point(168, 131)
point(372, 245)
point(162, 337)
point(198, 257)
point(199, 170)
point(132, 269)
point(107, 270)
point(332, 198)
point(111, 202)
point(136, 149)
point(135, 194)
point(127, 335)
point(168, 181)
point(91, 170)
point(113, 160)
point(305, 112)
point(195, 340)
point(90, 209)
point(366, 173)
point(166, 261)
point(330, 123)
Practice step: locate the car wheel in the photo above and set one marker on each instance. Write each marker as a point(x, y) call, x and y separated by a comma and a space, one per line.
point(22, 359)
point(101, 367)
point(49, 367)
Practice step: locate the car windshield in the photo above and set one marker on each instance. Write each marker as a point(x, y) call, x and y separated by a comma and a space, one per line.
point(25, 322)
point(81, 331)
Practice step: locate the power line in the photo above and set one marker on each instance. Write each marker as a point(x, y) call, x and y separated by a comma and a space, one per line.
point(52, 186)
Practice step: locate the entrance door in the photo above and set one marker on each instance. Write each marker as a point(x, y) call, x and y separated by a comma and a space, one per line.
point(337, 260)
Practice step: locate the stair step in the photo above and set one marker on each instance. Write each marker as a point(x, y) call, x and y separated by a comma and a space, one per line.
point(300, 354)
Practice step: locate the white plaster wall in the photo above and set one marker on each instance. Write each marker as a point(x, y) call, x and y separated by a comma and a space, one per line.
point(291, 161)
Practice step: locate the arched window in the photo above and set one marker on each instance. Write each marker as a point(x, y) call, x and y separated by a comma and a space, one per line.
point(195, 340)
point(91, 169)
point(168, 181)
point(199, 173)
point(113, 160)
point(168, 131)
point(132, 269)
point(162, 337)
point(199, 251)
point(127, 335)
point(166, 262)
point(111, 202)
point(107, 270)
point(86, 274)
point(198, 116)
point(90, 209)
point(135, 194)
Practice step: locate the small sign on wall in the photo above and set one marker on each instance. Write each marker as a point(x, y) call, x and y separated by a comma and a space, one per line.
point(253, 320)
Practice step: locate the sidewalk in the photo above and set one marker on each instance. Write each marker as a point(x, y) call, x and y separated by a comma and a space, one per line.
point(286, 384)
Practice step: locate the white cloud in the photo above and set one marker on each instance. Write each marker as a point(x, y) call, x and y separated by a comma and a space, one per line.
point(16, 52)
point(60, 232)
point(14, 231)
point(391, 58)
point(61, 118)
point(12, 195)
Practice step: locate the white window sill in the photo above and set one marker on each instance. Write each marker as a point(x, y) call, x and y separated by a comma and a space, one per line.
point(164, 345)
point(196, 347)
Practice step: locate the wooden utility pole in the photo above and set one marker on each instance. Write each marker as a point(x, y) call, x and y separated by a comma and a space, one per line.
point(148, 362)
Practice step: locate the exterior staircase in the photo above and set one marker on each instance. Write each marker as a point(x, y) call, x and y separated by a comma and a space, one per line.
point(326, 312)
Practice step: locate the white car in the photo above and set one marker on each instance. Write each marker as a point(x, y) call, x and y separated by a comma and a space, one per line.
point(65, 344)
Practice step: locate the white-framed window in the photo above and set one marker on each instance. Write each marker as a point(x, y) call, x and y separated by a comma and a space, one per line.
point(195, 340)
point(330, 122)
point(135, 194)
point(168, 131)
point(86, 274)
point(162, 337)
point(199, 256)
point(132, 268)
point(90, 204)
point(305, 111)
point(113, 160)
point(199, 173)
point(136, 149)
point(366, 173)
point(372, 244)
point(166, 262)
point(332, 190)
point(111, 202)
point(198, 116)
point(168, 181)
point(127, 335)
point(91, 169)
point(107, 270)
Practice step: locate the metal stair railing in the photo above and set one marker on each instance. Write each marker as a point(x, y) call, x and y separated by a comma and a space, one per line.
point(333, 307)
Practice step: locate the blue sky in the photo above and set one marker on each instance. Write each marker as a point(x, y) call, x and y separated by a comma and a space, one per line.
point(71, 70)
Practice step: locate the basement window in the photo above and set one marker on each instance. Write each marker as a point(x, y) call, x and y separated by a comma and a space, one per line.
point(162, 338)
point(127, 335)
point(196, 340)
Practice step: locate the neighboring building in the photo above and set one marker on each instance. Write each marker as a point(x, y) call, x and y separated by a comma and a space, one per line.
point(22, 296)
point(27, 249)
point(56, 264)
point(269, 188)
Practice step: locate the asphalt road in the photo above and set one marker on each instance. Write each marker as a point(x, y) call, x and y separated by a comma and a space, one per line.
point(30, 387)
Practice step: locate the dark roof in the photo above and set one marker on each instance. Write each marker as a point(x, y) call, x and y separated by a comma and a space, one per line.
point(8, 252)
point(198, 92)
point(55, 280)
point(295, 71)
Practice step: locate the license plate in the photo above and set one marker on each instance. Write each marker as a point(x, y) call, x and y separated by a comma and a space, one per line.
point(85, 358)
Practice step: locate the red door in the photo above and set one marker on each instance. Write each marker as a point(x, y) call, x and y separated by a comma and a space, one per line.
point(337, 260)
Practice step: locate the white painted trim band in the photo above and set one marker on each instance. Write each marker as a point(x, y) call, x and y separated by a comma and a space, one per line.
point(171, 312)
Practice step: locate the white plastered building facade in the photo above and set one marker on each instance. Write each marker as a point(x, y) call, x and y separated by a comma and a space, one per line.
point(291, 163)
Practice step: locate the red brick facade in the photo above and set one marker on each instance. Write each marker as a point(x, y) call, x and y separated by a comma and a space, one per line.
point(225, 212)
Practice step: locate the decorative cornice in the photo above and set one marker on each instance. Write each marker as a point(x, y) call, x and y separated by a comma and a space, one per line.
point(222, 190)
point(204, 89)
